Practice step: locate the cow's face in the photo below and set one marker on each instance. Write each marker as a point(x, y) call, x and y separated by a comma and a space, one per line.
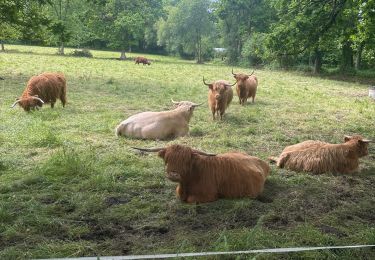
point(240, 78)
point(177, 159)
point(218, 89)
point(361, 144)
point(29, 103)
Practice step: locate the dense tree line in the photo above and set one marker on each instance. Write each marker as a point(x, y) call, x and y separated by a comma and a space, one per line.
point(284, 33)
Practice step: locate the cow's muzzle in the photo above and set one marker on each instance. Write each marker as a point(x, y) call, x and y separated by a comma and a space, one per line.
point(174, 176)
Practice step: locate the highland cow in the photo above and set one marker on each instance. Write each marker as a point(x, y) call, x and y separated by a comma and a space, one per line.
point(204, 177)
point(159, 125)
point(246, 86)
point(44, 88)
point(142, 60)
point(320, 157)
point(220, 95)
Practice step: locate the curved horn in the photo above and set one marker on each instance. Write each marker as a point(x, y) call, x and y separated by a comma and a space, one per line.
point(203, 153)
point(150, 150)
point(251, 73)
point(197, 105)
point(15, 103)
point(38, 99)
point(366, 141)
point(174, 102)
point(230, 84)
point(204, 82)
point(233, 73)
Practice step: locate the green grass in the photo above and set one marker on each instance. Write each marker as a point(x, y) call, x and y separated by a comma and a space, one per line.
point(70, 188)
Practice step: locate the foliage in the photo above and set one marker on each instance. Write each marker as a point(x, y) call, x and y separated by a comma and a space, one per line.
point(187, 29)
point(82, 53)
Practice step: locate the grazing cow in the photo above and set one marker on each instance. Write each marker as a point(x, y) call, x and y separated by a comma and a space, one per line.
point(159, 125)
point(220, 95)
point(44, 88)
point(204, 177)
point(320, 157)
point(246, 86)
point(142, 60)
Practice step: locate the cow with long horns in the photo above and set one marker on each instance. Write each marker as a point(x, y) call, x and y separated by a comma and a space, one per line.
point(320, 157)
point(159, 125)
point(44, 88)
point(204, 177)
point(246, 86)
point(220, 94)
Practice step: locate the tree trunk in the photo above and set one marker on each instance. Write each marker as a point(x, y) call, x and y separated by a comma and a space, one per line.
point(123, 55)
point(2, 46)
point(358, 60)
point(318, 61)
point(61, 49)
point(347, 57)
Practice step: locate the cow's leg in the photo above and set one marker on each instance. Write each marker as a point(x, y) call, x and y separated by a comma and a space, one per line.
point(253, 97)
point(200, 199)
point(63, 99)
point(53, 101)
point(213, 114)
point(178, 191)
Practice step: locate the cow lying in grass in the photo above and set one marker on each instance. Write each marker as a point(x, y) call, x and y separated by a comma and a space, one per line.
point(220, 95)
point(320, 157)
point(203, 177)
point(159, 125)
point(44, 88)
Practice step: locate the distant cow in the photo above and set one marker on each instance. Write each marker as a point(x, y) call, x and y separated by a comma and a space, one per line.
point(204, 177)
point(142, 60)
point(159, 125)
point(44, 88)
point(220, 95)
point(246, 86)
point(320, 157)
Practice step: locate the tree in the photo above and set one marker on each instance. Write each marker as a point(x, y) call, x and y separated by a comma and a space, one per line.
point(303, 26)
point(60, 13)
point(187, 26)
point(7, 32)
point(18, 17)
point(124, 22)
point(239, 20)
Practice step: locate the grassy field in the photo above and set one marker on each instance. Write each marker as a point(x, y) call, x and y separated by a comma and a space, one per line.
point(69, 187)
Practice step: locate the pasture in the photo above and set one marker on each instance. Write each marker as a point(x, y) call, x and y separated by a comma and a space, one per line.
point(69, 187)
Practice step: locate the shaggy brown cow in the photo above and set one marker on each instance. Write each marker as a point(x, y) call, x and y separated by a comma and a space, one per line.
point(44, 88)
point(246, 86)
point(142, 60)
point(220, 95)
point(203, 177)
point(320, 157)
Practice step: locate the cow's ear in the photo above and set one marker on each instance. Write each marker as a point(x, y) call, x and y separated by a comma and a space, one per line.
point(347, 138)
point(211, 86)
point(161, 153)
point(246, 77)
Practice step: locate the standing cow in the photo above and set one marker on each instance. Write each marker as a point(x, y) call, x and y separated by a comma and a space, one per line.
point(44, 88)
point(220, 95)
point(142, 60)
point(204, 177)
point(320, 157)
point(246, 86)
